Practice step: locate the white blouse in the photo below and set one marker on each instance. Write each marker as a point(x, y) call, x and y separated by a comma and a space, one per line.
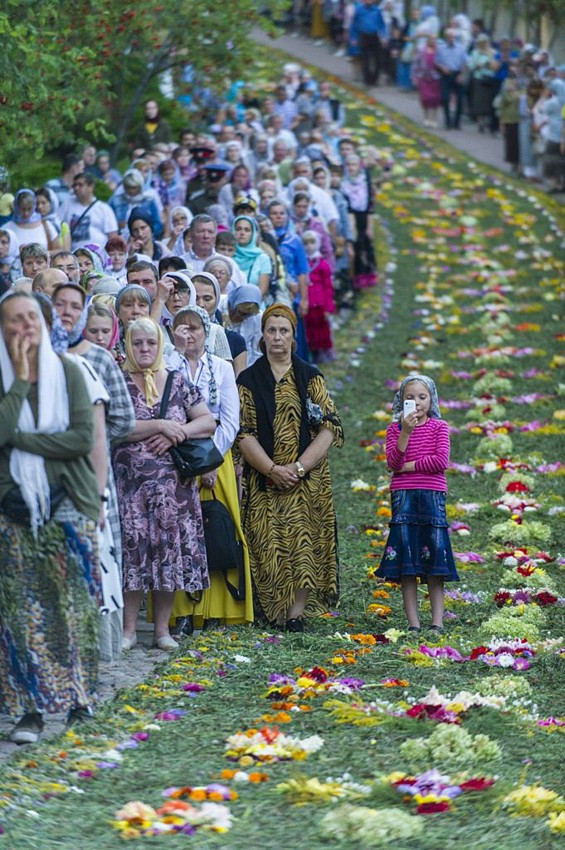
point(226, 408)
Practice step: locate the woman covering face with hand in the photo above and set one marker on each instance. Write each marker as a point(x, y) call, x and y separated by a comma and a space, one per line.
point(49, 505)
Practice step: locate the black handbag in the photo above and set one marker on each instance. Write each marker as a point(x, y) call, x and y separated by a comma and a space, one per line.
point(15, 508)
point(194, 456)
point(223, 550)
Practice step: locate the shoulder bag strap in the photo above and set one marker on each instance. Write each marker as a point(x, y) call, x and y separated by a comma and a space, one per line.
point(166, 395)
point(82, 215)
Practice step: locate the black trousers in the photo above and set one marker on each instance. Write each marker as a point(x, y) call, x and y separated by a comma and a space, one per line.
point(371, 58)
point(450, 87)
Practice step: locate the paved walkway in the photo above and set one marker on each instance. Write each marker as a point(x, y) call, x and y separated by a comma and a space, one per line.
point(468, 139)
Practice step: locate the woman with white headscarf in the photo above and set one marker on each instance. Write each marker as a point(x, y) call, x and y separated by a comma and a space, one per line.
point(49, 505)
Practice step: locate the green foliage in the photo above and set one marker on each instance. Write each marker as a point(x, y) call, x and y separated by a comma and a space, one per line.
point(71, 69)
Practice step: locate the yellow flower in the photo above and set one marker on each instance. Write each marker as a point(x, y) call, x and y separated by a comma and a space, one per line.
point(379, 610)
point(534, 801)
point(556, 822)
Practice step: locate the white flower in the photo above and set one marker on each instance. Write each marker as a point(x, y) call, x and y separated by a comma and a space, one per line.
point(359, 484)
point(505, 660)
point(312, 744)
point(242, 659)
point(240, 776)
point(490, 466)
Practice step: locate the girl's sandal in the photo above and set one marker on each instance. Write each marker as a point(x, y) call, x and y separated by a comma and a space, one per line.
point(437, 629)
point(414, 629)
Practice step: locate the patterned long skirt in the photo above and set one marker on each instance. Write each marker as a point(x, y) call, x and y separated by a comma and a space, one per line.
point(50, 595)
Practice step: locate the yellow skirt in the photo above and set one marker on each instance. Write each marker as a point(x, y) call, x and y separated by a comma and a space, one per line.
point(217, 602)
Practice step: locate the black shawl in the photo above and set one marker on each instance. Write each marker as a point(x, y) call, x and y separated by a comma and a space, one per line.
point(260, 381)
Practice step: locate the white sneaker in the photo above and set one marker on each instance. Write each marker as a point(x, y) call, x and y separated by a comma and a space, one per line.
point(166, 643)
point(340, 52)
point(28, 730)
point(128, 643)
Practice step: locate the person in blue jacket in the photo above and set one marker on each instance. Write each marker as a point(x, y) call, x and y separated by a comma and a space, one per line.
point(367, 30)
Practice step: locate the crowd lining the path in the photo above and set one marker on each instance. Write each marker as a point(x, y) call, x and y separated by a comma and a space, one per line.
point(182, 322)
point(462, 73)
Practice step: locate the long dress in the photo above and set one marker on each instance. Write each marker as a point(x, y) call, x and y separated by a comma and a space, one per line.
point(291, 535)
point(162, 531)
point(427, 79)
point(217, 603)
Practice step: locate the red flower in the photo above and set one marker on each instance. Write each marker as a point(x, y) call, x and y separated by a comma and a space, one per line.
point(526, 570)
point(318, 675)
point(480, 783)
point(545, 598)
point(501, 598)
point(517, 487)
point(432, 808)
point(478, 651)
point(418, 710)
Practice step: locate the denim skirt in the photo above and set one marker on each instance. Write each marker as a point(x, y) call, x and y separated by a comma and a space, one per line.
point(418, 541)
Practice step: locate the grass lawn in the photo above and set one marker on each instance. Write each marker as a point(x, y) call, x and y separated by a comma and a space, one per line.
point(471, 267)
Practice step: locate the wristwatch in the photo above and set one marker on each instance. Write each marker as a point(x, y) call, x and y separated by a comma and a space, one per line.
point(300, 471)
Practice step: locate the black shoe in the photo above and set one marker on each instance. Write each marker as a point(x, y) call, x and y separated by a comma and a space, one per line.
point(414, 629)
point(438, 630)
point(184, 627)
point(296, 624)
point(79, 714)
point(28, 729)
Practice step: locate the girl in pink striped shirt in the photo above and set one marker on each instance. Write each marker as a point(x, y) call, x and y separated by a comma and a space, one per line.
point(418, 546)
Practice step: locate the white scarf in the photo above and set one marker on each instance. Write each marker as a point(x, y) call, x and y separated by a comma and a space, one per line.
point(26, 469)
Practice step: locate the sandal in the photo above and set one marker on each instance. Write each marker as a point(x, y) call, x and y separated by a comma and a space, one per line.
point(296, 624)
point(439, 630)
point(414, 629)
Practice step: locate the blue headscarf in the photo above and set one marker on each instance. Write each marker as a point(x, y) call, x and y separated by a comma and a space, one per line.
point(246, 255)
point(433, 412)
point(35, 216)
point(428, 12)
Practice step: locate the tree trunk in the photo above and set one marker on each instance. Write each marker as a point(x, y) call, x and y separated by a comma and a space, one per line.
point(153, 68)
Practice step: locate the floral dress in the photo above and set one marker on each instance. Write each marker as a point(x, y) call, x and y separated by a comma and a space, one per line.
point(161, 519)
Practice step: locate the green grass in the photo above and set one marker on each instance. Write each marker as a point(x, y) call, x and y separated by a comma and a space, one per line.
point(190, 751)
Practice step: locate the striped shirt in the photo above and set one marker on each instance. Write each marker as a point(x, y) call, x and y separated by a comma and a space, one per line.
point(428, 446)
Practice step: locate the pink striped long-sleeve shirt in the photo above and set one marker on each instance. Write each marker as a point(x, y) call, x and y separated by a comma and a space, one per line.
point(428, 446)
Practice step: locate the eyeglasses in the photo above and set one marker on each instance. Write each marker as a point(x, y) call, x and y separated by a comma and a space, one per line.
point(182, 289)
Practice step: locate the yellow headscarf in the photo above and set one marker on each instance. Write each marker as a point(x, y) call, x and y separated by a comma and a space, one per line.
point(149, 386)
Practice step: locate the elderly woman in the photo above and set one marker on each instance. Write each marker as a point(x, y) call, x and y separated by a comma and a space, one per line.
point(133, 193)
point(132, 302)
point(216, 381)
point(357, 187)
point(238, 184)
point(244, 308)
point(208, 297)
point(69, 303)
point(181, 294)
point(426, 77)
point(179, 219)
point(253, 262)
point(49, 505)
point(288, 424)
point(162, 532)
point(304, 219)
point(482, 66)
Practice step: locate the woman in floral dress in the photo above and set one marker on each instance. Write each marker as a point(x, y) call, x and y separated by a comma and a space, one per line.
point(162, 532)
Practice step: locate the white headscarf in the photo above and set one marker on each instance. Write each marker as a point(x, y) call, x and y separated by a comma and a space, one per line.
point(26, 469)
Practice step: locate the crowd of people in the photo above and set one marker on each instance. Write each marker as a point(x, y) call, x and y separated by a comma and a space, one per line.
point(186, 314)
point(460, 71)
